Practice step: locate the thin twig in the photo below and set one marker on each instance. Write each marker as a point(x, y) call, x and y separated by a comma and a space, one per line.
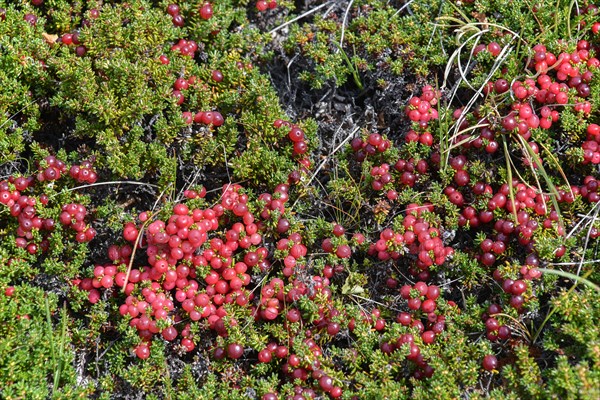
point(106, 183)
point(587, 239)
point(15, 114)
point(570, 264)
point(298, 17)
point(402, 8)
point(332, 153)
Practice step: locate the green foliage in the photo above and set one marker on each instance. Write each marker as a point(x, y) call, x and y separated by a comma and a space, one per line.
point(29, 348)
point(349, 44)
point(109, 100)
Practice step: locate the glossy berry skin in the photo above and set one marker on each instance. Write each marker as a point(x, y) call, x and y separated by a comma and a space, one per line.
point(490, 362)
point(234, 351)
point(173, 9)
point(261, 5)
point(217, 76)
point(142, 351)
point(206, 11)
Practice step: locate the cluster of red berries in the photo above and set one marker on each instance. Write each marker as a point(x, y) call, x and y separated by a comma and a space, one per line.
point(197, 193)
point(484, 137)
point(419, 296)
point(409, 170)
point(422, 303)
point(180, 85)
point(84, 172)
point(568, 65)
point(421, 108)
point(274, 207)
point(494, 330)
point(372, 144)
point(310, 367)
point(73, 215)
point(184, 47)
point(418, 239)
point(492, 48)
point(341, 249)
point(293, 253)
point(263, 5)
point(424, 241)
point(389, 245)
point(461, 176)
point(70, 39)
point(474, 218)
point(187, 248)
point(531, 210)
point(25, 208)
point(522, 118)
point(51, 169)
point(326, 322)
point(516, 289)
point(173, 11)
point(591, 148)
point(272, 300)
point(425, 137)
point(295, 134)
point(589, 189)
point(104, 277)
point(381, 176)
point(525, 197)
point(556, 77)
point(211, 118)
point(454, 196)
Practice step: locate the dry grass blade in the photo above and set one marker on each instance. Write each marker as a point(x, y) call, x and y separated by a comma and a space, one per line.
point(139, 238)
point(299, 17)
point(583, 279)
point(511, 193)
point(344, 22)
point(518, 325)
point(542, 171)
point(576, 278)
point(327, 159)
point(106, 183)
point(466, 140)
point(455, 127)
point(557, 165)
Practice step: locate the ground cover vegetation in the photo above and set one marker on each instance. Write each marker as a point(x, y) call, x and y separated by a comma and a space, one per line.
point(299, 200)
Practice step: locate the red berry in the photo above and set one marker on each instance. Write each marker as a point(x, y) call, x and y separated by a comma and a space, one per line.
point(173, 9)
point(217, 75)
point(234, 350)
point(343, 251)
point(178, 20)
point(265, 356)
point(490, 362)
point(494, 49)
point(206, 11)
point(501, 86)
point(326, 383)
point(336, 392)
point(142, 351)
point(261, 5)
